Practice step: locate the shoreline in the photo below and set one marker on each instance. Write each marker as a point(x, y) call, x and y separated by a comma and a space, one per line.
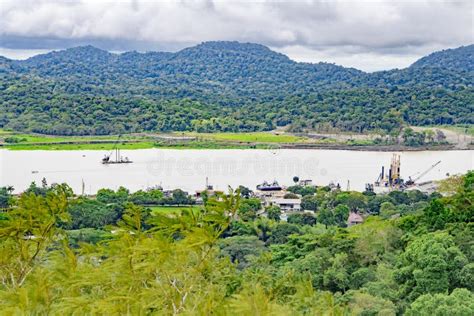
point(137, 145)
point(192, 140)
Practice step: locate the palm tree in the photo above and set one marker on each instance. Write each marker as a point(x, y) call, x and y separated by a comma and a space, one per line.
point(296, 179)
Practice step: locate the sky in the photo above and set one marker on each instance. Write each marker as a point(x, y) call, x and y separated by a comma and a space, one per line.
point(368, 35)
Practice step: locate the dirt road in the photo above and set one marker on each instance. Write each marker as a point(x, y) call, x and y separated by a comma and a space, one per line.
point(458, 139)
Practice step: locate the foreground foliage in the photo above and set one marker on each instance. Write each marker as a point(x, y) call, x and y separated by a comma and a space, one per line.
point(215, 261)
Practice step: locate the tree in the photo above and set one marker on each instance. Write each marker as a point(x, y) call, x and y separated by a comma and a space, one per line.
point(326, 217)
point(436, 215)
point(36, 190)
point(387, 209)
point(281, 232)
point(248, 209)
point(309, 202)
point(430, 264)
point(241, 249)
point(302, 219)
point(361, 303)
point(412, 138)
point(247, 212)
point(5, 197)
point(87, 235)
point(315, 263)
point(263, 228)
point(122, 195)
point(440, 137)
point(153, 196)
point(180, 197)
point(336, 277)
point(341, 214)
point(430, 136)
point(459, 303)
point(377, 240)
point(373, 206)
point(273, 212)
point(384, 285)
point(354, 200)
point(399, 197)
point(302, 190)
point(86, 213)
point(244, 191)
point(106, 196)
point(361, 276)
point(28, 232)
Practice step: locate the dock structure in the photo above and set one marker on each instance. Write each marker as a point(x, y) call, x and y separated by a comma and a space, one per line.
point(394, 182)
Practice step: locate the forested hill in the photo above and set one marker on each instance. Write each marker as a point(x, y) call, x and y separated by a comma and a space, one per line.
point(227, 86)
point(460, 59)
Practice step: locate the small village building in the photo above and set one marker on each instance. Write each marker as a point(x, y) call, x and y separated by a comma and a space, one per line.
point(354, 219)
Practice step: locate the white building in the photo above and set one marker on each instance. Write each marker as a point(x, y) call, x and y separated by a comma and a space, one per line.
point(287, 205)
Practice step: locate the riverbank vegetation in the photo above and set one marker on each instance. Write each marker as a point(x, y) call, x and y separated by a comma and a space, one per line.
point(409, 139)
point(113, 254)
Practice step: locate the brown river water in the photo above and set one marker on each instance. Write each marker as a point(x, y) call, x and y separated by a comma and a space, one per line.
point(188, 169)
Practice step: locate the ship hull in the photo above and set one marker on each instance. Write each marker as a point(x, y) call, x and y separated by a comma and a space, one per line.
point(115, 162)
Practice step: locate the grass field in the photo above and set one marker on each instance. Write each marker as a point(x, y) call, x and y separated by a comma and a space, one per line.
point(191, 140)
point(172, 209)
point(4, 132)
point(85, 146)
point(35, 138)
point(257, 137)
point(204, 141)
point(46, 142)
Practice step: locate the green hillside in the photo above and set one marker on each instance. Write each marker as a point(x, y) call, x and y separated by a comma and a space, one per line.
point(227, 87)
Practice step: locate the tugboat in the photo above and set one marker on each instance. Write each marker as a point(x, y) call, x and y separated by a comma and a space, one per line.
point(265, 186)
point(108, 159)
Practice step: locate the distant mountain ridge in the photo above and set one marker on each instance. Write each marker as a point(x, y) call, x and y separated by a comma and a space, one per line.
point(231, 61)
point(211, 77)
point(461, 59)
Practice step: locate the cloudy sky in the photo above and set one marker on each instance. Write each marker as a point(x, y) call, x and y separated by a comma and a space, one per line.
point(369, 35)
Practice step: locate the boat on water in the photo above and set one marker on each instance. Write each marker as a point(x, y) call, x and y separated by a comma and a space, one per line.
point(115, 157)
point(118, 159)
point(265, 186)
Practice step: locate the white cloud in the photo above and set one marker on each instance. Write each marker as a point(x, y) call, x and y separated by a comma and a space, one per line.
point(367, 61)
point(351, 32)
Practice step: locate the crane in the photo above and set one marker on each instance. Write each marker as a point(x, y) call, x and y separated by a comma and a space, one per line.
point(118, 158)
point(412, 181)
